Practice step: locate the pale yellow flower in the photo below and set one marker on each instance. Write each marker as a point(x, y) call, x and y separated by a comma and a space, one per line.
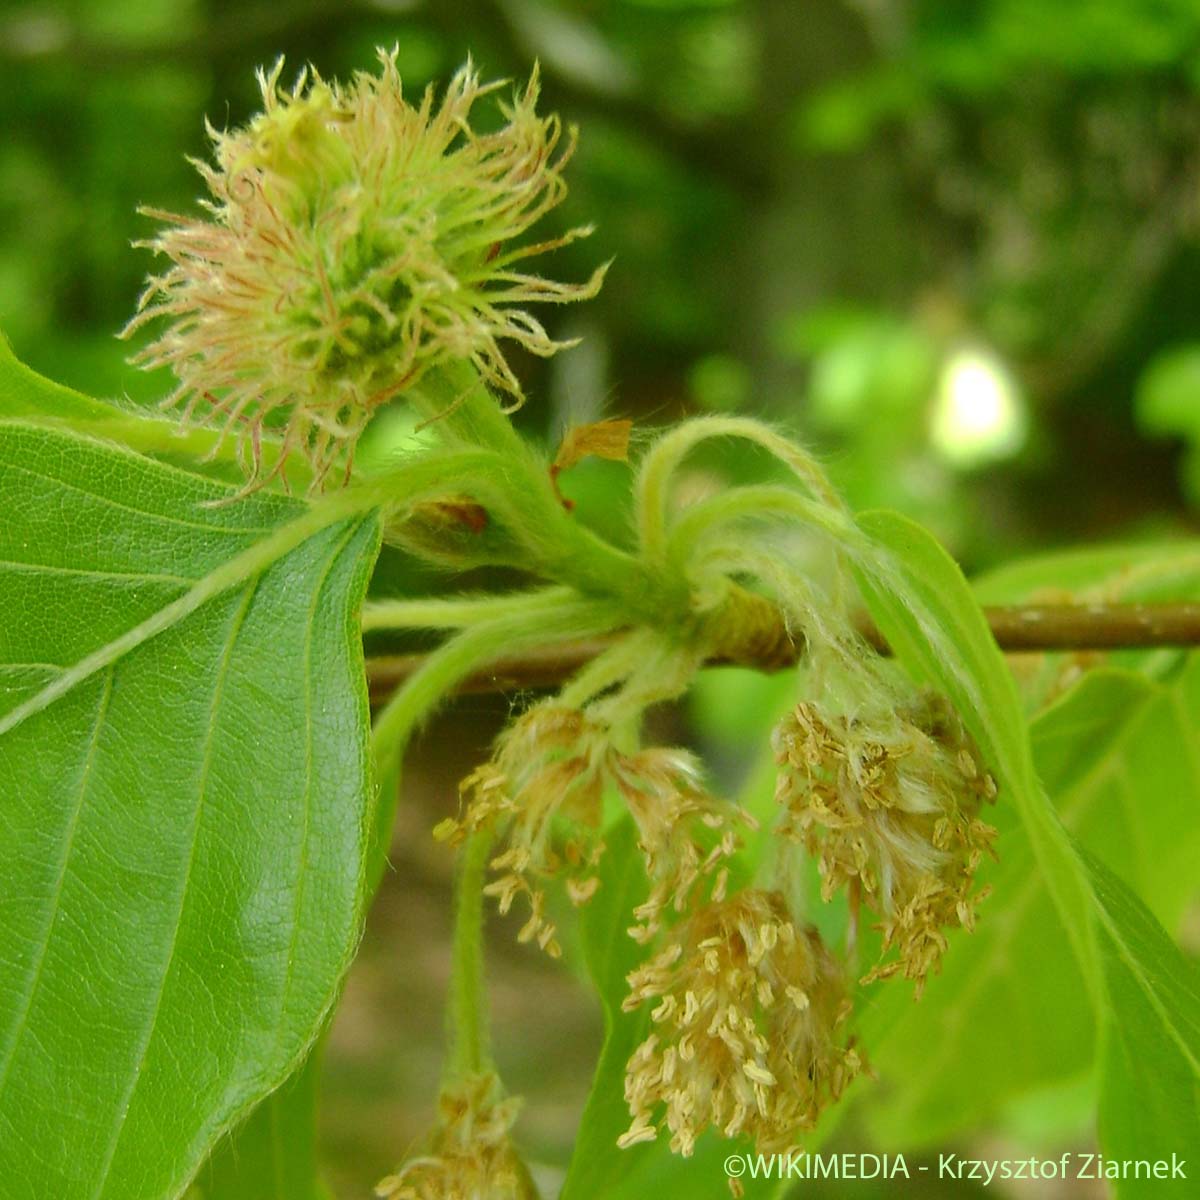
point(746, 1028)
point(888, 800)
point(469, 1156)
point(542, 797)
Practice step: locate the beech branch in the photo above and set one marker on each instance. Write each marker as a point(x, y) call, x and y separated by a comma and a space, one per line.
point(1030, 628)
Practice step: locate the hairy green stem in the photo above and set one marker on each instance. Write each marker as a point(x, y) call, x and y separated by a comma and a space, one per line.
point(467, 1032)
point(660, 464)
point(663, 673)
point(606, 670)
point(458, 612)
point(556, 545)
point(761, 502)
point(823, 619)
point(553, 620)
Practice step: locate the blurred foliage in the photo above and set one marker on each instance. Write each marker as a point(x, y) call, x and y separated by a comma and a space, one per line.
point(954, 243)
point(812, 207)
point(1166, 405)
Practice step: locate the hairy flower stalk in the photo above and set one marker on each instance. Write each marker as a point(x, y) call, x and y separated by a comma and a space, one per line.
point(886, 794)
point(542, 796)
point(747, 1017)
point(469, 1156)
point(353, 243)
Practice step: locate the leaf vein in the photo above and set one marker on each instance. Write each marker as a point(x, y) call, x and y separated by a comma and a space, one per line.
point(56, 896)
point(31, 568)
point(223, 665)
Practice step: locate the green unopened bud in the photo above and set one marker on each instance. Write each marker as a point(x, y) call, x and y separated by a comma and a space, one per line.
point(293, 149)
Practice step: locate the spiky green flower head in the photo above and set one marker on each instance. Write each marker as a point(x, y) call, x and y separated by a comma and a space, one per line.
point(353, 242)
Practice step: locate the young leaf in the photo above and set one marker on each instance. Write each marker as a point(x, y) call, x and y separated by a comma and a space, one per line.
point(183, 773)
point(1142, 571)
point(940, 635)
point(25, 395)
point(273, 1154)
point(1150, 1071)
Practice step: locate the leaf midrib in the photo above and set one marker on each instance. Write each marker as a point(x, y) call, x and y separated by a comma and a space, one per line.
point(35, 568)
point(241, 567)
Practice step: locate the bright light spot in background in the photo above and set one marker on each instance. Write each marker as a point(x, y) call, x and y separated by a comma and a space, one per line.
point(978, 416)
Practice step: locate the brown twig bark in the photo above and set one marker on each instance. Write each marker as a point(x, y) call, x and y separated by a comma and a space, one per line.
point(1027, 628)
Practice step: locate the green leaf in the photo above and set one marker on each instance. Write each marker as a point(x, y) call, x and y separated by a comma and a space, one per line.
point(1137, 571)
point(921, 603)
point(1168, 393)
point(273, 1154)
point(1150, 1081)
point(26, 395)
point(1136, 783)
point(183, 767)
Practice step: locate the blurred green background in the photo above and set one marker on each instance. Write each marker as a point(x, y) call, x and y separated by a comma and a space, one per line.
point(952, 243)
